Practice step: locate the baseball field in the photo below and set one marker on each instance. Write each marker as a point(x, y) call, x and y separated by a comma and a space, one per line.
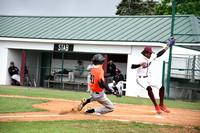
point(38, 110)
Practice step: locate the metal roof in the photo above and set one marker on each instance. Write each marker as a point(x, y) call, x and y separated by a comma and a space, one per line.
point(126, 28)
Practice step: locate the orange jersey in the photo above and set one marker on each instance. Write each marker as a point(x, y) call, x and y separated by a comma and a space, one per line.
point(97, 74)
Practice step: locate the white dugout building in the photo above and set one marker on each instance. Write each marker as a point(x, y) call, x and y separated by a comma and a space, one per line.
point(35, 42)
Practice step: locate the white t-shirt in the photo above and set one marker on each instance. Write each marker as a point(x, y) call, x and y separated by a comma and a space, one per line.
point(90, 67)
point(145, 70)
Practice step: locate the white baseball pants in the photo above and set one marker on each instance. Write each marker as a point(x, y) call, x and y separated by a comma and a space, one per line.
point(148, 81)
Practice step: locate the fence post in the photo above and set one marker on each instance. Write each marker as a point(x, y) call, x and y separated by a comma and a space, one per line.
point(61, 82)
point(163, 74)
point(23, 64)
point(170, 50)
point(105, 65)
point(193, 69)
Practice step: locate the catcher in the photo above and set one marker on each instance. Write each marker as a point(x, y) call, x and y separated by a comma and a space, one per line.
point(143, 75)
point(97, 86)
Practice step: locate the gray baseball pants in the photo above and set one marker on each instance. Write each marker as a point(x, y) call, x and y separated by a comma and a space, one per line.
point(102, 99)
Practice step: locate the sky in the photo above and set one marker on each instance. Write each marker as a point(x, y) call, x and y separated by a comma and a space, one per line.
point(59, 7)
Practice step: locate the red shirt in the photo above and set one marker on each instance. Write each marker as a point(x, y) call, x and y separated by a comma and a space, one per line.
point(97, 74)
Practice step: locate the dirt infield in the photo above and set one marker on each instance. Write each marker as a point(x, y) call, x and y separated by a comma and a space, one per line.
point(122, 112)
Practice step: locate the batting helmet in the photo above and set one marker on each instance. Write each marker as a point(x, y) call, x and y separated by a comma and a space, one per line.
point(98, 59)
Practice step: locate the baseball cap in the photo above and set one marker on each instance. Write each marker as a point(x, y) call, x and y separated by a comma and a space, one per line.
point(117, 70)
point(148, 49)
point(11, 62)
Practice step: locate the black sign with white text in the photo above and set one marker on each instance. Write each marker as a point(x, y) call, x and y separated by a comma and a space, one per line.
point(63, 47)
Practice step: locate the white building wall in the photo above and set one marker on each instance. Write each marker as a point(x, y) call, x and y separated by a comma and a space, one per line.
point(133, 53)
point(13, 55)
point(6, 56)
point(102, 48)
point(3, 64)
point(11, 51)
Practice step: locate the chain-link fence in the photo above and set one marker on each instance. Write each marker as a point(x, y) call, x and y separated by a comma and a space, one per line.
point(185, 77)
point(186, 67)
point(57, 70)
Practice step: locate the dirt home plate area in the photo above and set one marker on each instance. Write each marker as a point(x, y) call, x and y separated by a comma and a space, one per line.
point(62, 109)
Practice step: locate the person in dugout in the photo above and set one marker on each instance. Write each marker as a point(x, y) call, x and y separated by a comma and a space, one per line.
point(13, 71)
point(116, 86)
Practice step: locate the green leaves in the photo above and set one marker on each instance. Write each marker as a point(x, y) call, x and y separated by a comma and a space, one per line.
point(182, 7)
point(150, 7)
point(136, 7)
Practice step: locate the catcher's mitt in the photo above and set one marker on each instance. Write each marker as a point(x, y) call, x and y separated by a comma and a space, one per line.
point(171, 42)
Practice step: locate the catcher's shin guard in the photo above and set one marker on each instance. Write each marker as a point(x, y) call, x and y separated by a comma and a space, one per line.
point(80, 106)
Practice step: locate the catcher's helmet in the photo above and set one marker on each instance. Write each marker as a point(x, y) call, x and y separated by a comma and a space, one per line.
point(98, 59)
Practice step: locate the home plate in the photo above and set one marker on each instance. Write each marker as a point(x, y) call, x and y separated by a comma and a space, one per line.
point(159, 116)
point(122, 120)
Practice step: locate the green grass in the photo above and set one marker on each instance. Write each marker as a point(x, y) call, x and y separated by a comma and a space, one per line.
point(8, 104)
point(44, 93)
point(14, 105)
point(85, 126)
point(78, 96)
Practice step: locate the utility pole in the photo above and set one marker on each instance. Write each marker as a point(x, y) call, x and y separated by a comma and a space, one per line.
point(170, 50)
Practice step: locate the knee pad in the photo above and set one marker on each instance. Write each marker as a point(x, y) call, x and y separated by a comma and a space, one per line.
point(162, 88)
point(149, 88)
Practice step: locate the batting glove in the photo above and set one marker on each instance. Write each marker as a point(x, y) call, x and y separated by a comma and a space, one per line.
point(171, 42)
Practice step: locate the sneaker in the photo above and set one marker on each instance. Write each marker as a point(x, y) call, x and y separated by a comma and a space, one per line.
point(89, 110)
point(158, 110)
point(163, 108)
point(80, 106)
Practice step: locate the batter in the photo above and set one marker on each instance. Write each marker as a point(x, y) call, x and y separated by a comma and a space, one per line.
point(145, 80)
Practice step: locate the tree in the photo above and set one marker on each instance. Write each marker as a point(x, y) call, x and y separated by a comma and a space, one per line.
point(136, 7)
point(182, 7)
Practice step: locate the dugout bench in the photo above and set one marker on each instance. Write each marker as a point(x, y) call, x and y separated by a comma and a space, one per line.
point(57, 77)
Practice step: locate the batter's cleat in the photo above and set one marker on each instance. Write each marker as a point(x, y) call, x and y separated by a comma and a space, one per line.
point(163, 108)
point(158, 110)
point(80, 106)
point(89, 110)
